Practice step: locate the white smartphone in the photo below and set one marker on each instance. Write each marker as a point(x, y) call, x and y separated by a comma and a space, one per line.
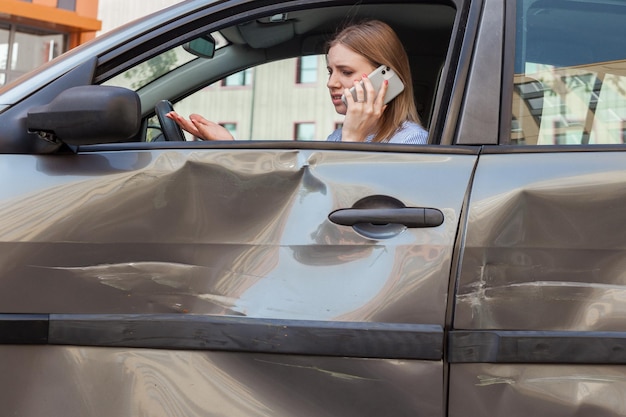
point(377, 77)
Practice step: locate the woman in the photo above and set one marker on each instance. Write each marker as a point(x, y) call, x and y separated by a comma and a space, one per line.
point(355, 52)
point(351, 55)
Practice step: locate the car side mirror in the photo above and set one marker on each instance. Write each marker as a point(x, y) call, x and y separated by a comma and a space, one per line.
point(203, 47)
point(88, 115)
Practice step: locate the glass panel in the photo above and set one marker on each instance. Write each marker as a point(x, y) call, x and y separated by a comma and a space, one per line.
point(307, 69)
point(154, 129)
point(150, 70)
point(570, 81)
point(67, 4)
point(30, 50)
point(305, 131)
point(23, 49)
point(4, 47)
point(238, 79)
point(231, 127)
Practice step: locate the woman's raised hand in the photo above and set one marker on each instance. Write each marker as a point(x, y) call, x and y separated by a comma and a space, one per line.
point(363, 114)
point(200, 127)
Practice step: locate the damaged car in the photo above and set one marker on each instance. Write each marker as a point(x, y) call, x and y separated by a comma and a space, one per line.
point(145, 272)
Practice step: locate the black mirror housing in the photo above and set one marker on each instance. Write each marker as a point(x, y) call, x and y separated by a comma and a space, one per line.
point(88, 115)
point(203, 47)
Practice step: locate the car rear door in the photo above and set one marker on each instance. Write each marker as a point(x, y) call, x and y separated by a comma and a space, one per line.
point(539, 323)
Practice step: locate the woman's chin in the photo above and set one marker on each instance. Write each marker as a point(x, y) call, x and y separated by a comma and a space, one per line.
point(341, 108)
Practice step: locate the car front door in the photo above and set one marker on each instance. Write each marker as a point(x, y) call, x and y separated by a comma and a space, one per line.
point(213, 279)
point(232, 278)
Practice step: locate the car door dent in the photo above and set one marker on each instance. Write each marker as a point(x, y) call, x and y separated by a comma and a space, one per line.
point(216, 231)
point(545, 241)
point(169, 383)
point(519, 390)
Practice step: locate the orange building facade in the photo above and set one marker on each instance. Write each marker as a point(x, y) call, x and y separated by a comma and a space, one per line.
point(33, 32)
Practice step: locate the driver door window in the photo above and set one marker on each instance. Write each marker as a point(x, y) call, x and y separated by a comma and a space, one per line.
point(269, 90)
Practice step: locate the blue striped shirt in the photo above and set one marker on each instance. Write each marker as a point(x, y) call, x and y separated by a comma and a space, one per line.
point(409, 133)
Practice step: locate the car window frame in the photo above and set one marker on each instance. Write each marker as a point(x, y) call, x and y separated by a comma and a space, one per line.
point(447, 97)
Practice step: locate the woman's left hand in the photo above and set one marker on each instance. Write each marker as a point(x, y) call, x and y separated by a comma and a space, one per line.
point(363, 114)
point(200, 127)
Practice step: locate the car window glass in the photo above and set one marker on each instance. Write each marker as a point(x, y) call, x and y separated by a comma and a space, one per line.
point(570, 73)
point(148, 71)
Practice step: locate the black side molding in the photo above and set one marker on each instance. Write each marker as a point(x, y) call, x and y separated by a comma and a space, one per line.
point(237, 334)
point(304, 337)
point(23, 329)
point(499, 346)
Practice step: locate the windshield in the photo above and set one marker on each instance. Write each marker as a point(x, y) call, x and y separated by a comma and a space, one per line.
point(148, 71)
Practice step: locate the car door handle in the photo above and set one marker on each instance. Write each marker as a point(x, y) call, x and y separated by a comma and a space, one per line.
point(412, 217)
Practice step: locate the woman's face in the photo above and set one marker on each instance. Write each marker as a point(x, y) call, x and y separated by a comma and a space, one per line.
point(344, 67)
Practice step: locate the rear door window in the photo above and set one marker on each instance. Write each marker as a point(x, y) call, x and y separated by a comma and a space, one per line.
point(570, 73)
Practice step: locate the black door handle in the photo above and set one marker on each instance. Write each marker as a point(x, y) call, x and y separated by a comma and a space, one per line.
point(413, 217)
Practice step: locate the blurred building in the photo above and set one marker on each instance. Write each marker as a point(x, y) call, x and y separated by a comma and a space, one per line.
point(115, 13)
point(33, 32)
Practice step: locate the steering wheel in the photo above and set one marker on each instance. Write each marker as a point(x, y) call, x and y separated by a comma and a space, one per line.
point(170, 128)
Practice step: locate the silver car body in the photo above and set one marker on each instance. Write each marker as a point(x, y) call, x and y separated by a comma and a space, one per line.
point(196, 279)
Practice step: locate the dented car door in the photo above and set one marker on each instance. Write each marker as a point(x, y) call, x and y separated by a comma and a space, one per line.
point(226, 266)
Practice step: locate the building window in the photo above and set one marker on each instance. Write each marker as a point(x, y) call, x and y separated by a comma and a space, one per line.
point(67, 4)
point(240, 78)
point(307, 69)
point(231, 127)
point(304, 131)
point(24, 49)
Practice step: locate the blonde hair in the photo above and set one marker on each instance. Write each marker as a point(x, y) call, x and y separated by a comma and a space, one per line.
point(378, 43)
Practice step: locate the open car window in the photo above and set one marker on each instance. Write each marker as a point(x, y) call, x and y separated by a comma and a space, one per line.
point(281, 100)
point(267, 78)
